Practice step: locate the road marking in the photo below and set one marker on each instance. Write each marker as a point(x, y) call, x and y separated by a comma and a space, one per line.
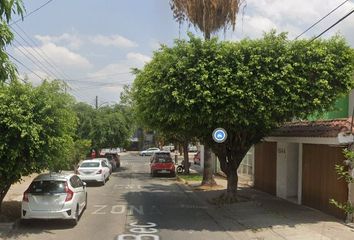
point(140, 232)
point(118, 209)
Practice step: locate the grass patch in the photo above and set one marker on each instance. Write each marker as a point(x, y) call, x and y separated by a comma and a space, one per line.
point(191, 177)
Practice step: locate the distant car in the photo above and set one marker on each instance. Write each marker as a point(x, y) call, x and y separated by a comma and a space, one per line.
point(149, 151)
point(196, 158)
point(94, 170)
point(113, 157)
point(55, 196)
point(161, 163)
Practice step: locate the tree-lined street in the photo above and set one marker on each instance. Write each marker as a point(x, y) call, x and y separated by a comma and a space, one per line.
point(132, 203)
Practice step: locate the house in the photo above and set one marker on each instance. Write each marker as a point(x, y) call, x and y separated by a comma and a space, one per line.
point(297, 161)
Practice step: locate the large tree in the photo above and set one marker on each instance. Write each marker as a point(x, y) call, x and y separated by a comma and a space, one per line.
point(36, 126)
point(249, 88)
point(209, 16)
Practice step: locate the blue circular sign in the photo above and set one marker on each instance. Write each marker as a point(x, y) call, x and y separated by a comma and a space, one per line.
point(219, 135)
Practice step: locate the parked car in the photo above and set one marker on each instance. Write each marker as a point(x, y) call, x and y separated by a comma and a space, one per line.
point(107, 163)
point(149, 151)
point(114, 159)
point(55, 196)
point(94, 170)
point(196, 158)
point(161, 163)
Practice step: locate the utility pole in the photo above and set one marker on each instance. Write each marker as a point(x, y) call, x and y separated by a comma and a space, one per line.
point(96, 102)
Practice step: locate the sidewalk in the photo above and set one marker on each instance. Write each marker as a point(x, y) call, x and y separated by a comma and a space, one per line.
point(259, 215)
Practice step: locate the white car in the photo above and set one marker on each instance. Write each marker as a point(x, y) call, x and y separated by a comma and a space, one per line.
point(149, 151)
point(107, 163)
point(55, 196)
point(95, 170)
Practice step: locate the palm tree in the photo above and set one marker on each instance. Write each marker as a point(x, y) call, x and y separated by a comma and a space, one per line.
point(209, 16)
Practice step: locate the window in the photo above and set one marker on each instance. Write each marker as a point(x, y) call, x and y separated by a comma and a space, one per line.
point(47, 186)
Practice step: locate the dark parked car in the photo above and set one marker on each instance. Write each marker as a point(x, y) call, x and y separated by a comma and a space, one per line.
point(161, 163)
point(114, 159)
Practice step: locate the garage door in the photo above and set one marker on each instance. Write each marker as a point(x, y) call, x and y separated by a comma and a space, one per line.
point(320, 180)
point(265, 168)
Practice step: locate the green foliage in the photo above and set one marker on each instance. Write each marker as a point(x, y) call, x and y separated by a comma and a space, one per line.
point(7, 8)
point(80, 151)
point(247, 87)
point(105, 127)
point(36, 126)
point(347, 207)
point(345, 173)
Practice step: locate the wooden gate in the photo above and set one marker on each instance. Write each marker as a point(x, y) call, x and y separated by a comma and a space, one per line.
point(320, 180)
point(265, 167)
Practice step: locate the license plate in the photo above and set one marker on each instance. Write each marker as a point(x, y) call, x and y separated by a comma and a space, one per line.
point(164, 171)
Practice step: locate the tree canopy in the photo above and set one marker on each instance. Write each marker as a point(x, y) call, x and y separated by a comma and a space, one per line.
point(248, 87)
point(37, 127)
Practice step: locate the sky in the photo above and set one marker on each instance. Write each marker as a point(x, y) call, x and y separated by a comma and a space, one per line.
point(92, 45)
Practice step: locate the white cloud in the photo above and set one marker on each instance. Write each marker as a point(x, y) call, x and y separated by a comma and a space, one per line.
point(114, 40)
point(138, 58)
point(70, 40)
point(60, 56)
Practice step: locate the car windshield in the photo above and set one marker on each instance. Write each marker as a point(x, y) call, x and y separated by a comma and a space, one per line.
point(90, 165)
point(47, 186)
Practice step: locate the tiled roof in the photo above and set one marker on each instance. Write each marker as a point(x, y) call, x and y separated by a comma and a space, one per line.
point(321, 128)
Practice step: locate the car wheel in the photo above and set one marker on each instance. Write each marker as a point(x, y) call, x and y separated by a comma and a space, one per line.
point(73, 222)
point(179, 169)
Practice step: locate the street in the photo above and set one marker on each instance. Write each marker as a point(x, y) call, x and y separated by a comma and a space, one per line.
point(132, 203)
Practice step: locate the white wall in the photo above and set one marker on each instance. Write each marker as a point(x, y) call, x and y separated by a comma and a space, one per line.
point(287, 170)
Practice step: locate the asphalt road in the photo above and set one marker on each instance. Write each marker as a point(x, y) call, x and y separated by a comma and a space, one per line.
point(133, 205)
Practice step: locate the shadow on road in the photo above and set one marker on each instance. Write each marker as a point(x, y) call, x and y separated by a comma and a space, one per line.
point(177, 207)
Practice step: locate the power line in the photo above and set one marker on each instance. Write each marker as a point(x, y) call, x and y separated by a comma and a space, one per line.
point(347, 15)
point(29, 14)
point(38, 50)
point(320, 20)
point(24, 66)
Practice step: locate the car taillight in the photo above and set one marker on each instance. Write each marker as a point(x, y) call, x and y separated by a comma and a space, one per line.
point(99, 171)
point(69, 193)
point(25, 196)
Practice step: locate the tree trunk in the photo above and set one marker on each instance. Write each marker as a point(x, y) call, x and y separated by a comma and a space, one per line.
point(3, 192)
point(232, 181)
point(186, 158)
point(208, 177)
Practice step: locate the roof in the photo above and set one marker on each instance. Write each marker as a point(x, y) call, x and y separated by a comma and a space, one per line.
point(320, 128)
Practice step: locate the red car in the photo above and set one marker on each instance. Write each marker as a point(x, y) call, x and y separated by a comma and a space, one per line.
point(161, 163)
